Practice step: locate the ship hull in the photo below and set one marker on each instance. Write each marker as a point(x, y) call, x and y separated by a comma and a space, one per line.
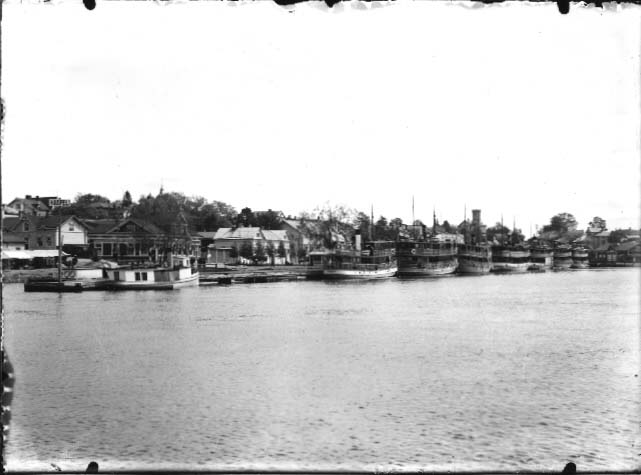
point(359, 274)
point(510, 267)
point(428, 270)
point(473, 267)
point(563, 264)
point(190, 281)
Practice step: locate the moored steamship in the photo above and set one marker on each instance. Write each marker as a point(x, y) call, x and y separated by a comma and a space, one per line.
point(580, 258)
point(377, 260)
point(475, 256)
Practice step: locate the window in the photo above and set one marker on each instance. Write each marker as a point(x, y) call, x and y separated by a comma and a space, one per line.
point(98, 247)
point(25, 226)
point(144, 276)
point(137, 274)
point(71, 227)
point(48, 240)
point(130, 249)
point(39, 241)
point(116, 275)
point(106, 249)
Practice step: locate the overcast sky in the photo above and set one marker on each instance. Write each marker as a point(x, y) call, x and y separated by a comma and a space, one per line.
point(513, 108)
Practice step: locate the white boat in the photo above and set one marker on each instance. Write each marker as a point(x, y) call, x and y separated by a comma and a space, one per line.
point(541, 259)
point(377, 260)
point(427, 258)
point(580, 258)
point(562, 258)
point(474, 259)
point(178, 274)
point(510, 259)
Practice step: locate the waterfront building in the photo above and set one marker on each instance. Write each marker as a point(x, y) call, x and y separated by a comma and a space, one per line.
point(128, 240)
point(239, 246)
point(41, 232)
point(629, 252)
point(32, 205)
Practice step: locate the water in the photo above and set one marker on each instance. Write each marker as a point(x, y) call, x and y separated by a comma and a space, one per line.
point(464, 373)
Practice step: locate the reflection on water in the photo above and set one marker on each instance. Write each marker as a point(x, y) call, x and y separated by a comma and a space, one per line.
point(497, 372)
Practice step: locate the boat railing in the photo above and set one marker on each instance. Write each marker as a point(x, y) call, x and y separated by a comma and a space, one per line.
point(429, 252)
point(358, 266)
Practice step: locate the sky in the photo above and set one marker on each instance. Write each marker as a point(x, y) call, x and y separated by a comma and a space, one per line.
point(512, 108)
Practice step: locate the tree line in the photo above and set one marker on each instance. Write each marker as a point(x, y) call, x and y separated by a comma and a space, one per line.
point(325, 222)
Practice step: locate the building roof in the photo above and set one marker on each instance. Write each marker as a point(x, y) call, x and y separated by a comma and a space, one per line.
point(108, 226)
point(10, 210)
point(207, 234)
point(51, 222)
point(24, 204)
point(626, 246)
point(100, 226)
point(605, 247)
point(11, 237)
point(238, 233)
point(273, 235)
point(10, 223)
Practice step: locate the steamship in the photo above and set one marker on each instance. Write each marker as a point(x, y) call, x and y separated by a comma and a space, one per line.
point(372, 260)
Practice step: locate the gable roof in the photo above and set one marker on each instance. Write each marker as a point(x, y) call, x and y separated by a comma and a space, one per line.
point(238, 233)
point(100, 226)
point(51, 222)
point(28, 203)
point(275, 235)
point(108, 226)
point(10, 223)
point(11, 237)
point(628, 245)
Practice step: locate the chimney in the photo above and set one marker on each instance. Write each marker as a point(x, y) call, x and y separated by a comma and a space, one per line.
point(357, 240)
point(476, 217)
point(27, 197)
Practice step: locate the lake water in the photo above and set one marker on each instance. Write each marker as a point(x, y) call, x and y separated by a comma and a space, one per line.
point(463, 373)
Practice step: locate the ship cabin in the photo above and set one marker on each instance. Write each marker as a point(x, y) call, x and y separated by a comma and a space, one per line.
point(433, 250)
point(178, 270)
point(374, 255)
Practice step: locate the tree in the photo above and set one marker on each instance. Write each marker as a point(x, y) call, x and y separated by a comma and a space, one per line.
point(246, 250)
point(282, 252)
point(498, 231)
point(246, 218)
point(259, 253)
point(126, 200)
point(447, 227)
point(335, 213)
point(269, 249)
point(396, 223)
point(598, 223)
point(233, 252)
point(516, 237)
point(268, 220)
point(561, 223)
point(90, 206)
point(362, 222)
point(617, 236)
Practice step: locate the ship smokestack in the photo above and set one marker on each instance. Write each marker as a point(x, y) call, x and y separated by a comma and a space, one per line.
point(476, 217)
point(357, 240)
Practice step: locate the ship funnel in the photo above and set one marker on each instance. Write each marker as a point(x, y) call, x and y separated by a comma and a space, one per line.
point(357, 240)
point(476, 216)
